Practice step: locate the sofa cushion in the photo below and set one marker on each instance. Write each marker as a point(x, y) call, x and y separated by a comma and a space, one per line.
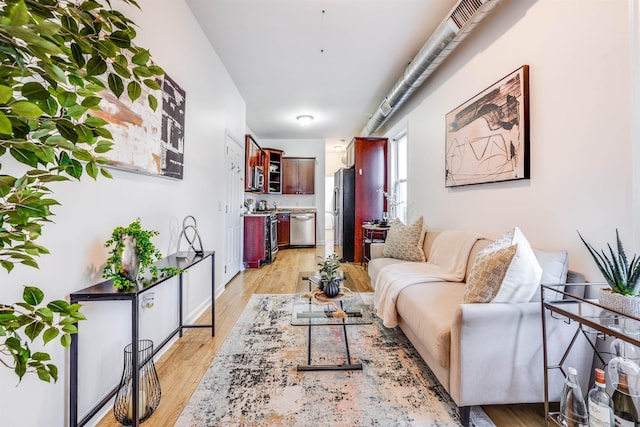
point(524, 273)
point(377, 264)
point(487, 275)
point(555, 266)
point(404, 241)
point(428, 310)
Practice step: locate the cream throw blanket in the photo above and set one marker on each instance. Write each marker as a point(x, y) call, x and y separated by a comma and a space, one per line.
point(447, 262)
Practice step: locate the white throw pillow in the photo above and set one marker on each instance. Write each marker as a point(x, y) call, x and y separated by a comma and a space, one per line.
point(524, 273)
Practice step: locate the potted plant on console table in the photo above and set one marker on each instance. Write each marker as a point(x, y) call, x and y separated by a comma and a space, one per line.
point(622, 276)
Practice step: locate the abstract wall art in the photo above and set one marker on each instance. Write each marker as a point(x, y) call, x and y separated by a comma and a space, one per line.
point(147, 141)
point(487, 137)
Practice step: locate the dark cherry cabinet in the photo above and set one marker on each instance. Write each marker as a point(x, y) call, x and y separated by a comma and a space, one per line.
point(298, 175)
point(283, 230)
point(255, 158)
point(370, 162)
point(273, 171)
point(255, 240)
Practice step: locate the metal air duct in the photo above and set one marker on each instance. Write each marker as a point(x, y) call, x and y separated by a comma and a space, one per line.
point(452, 30)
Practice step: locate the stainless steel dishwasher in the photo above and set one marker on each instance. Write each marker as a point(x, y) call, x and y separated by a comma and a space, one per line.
point(302, 228)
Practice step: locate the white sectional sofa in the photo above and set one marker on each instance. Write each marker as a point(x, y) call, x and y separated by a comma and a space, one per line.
point(485, 353)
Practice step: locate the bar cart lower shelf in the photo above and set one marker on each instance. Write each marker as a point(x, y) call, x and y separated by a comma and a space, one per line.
point(106, 292)
point(592, 322)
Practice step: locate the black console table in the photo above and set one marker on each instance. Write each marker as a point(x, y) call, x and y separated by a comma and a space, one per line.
point(106, 292)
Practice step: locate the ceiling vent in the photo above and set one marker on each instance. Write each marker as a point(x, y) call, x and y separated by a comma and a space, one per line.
point(452, 30)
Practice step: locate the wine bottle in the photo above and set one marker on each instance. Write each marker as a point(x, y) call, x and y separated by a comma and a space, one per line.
point(600, 404)
point(573, 409)
point(624, 410)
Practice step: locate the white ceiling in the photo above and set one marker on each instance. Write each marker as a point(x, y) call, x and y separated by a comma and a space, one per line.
point(333, 59)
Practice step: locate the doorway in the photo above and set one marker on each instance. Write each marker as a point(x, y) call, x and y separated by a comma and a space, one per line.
point(234, 161)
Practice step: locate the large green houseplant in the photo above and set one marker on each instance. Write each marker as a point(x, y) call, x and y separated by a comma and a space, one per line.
point(56, 59)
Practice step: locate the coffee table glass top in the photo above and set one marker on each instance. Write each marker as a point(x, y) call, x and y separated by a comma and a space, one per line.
point(312, 312)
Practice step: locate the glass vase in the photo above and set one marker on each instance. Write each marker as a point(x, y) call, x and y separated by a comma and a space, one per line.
point(148, 385)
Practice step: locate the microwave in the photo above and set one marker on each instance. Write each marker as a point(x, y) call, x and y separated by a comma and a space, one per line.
point(258, 178)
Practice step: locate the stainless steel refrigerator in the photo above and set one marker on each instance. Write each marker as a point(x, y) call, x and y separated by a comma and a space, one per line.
point(344, 212)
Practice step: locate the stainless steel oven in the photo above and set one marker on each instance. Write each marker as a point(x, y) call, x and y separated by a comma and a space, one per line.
point(272, 236)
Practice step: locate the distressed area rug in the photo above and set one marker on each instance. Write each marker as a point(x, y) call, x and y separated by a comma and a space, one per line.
point(253, 379)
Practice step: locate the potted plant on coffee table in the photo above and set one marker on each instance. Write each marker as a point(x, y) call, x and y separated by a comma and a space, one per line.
point(622, 275)
point(330, 282)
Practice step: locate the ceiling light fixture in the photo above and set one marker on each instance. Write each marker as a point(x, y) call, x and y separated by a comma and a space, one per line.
point(304, 119)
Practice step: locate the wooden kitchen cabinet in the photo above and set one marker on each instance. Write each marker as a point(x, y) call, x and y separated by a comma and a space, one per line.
point(255, 158)
point(273, 171)
point(255, 240)
point(283, 230)
point(298, 175)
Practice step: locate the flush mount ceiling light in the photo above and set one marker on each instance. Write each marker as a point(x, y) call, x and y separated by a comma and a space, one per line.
point(304, 119)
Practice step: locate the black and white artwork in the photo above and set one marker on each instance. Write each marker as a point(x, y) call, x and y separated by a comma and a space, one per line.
point(487, 137)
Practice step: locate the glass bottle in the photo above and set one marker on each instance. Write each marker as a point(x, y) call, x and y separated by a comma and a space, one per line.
point(573, 409)
point(600, 404)
point(624, 410)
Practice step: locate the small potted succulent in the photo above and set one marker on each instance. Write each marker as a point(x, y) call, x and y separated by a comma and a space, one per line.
point(622, 275)
point(330, 282)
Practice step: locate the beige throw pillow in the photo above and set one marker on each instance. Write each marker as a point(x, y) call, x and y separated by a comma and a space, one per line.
point(523, 273)
point(487, 274)
point(403, 241)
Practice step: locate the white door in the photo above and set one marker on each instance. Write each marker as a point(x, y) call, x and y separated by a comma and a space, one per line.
point(234, 161)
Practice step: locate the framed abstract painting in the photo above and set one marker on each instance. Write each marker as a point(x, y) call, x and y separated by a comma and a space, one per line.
point(147, 141)
point(487, 137)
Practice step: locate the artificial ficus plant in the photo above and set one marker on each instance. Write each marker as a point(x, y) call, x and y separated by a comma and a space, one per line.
point(56, 59)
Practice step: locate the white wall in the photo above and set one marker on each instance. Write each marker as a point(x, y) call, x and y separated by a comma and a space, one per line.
point(300, 148)
point(90, 210)
point(581, 149)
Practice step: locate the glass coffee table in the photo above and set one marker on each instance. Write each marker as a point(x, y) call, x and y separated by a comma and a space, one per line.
point(311, 312)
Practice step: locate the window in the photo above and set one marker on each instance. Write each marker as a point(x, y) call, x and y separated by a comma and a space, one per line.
point(397, 201)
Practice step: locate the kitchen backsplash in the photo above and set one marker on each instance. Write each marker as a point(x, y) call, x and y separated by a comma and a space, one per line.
point(283, 201)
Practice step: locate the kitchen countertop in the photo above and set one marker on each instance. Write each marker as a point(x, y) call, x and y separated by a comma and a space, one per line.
point(283, 210)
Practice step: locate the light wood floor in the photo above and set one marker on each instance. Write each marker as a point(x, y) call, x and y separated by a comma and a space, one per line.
point(183, 365)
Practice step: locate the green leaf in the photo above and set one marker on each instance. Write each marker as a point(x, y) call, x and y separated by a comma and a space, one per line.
point(92, 170)
point(156, 70)
point(103, 146)
point(120, 39)
point(115, 84)
point(82, 154)
point(70, 329)
point(26, 109)
point(7, 265)
point(34, 91)
point(53, 370)
point(95, 122)
point(43, 374)
point(24, 156)
point(67, 99)
point(39, 356)
point(153, 102)
point(142, 71)
point(134, 90)
point(122, 70)
point(33, 330)
point(91, 101)
point(50, 334)
point(59, 306)
point(141, 58)
point(5, 94)
point(96, 66)
point(65, 340)
point(32, 295)
point(19, 14)
point(5, 125)
point(105, 173)
point(75, 169)
point(45, 314)
point(150, 83)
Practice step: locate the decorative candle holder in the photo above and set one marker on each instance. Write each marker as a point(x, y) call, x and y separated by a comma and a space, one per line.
point(148, 385)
